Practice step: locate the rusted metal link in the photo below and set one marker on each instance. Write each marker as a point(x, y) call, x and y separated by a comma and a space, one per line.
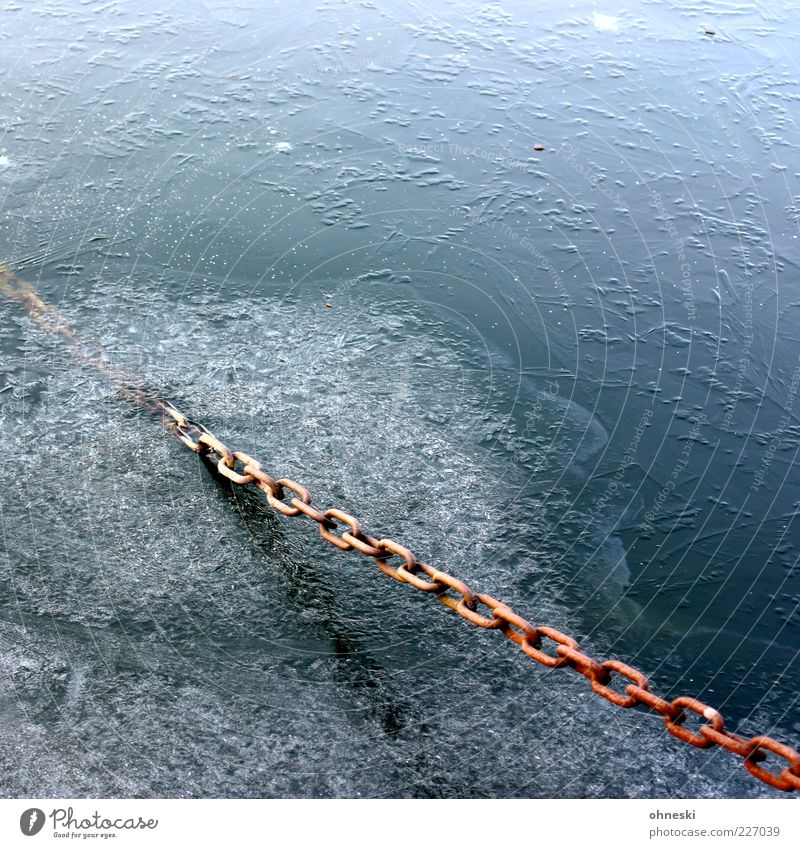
point(411, 576)
point(473, 616)
point(178, 424)
point(226, 464)
point(583, 664)
point(364, 543)
point(624, 670)
point(466, 601)
point(233, 476)
point(731, 742)
point(339, 541)
point(313, 513)
point(180, 427)
point(296, 505)
point(787, 779)
point(254, 470)
point(513, 626)
point(651, 701)
point(674, 724)
point(389, 546)
point(209, 442)
point(175, 414)
point(533, 650)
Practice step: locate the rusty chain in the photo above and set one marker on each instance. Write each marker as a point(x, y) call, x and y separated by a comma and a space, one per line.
point(89, 351)
point(243, 470)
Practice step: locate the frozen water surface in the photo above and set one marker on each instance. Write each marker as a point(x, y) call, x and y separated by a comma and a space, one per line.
point(567, 376)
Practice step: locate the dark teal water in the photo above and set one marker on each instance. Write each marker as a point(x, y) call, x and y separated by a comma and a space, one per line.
point(569, 376)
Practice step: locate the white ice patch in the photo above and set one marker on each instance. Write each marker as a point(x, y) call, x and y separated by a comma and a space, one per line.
point(4, 162)
point(607, 23)
point(282, 146)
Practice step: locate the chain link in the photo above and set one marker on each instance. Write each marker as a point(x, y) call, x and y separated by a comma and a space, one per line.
point(243, 470)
